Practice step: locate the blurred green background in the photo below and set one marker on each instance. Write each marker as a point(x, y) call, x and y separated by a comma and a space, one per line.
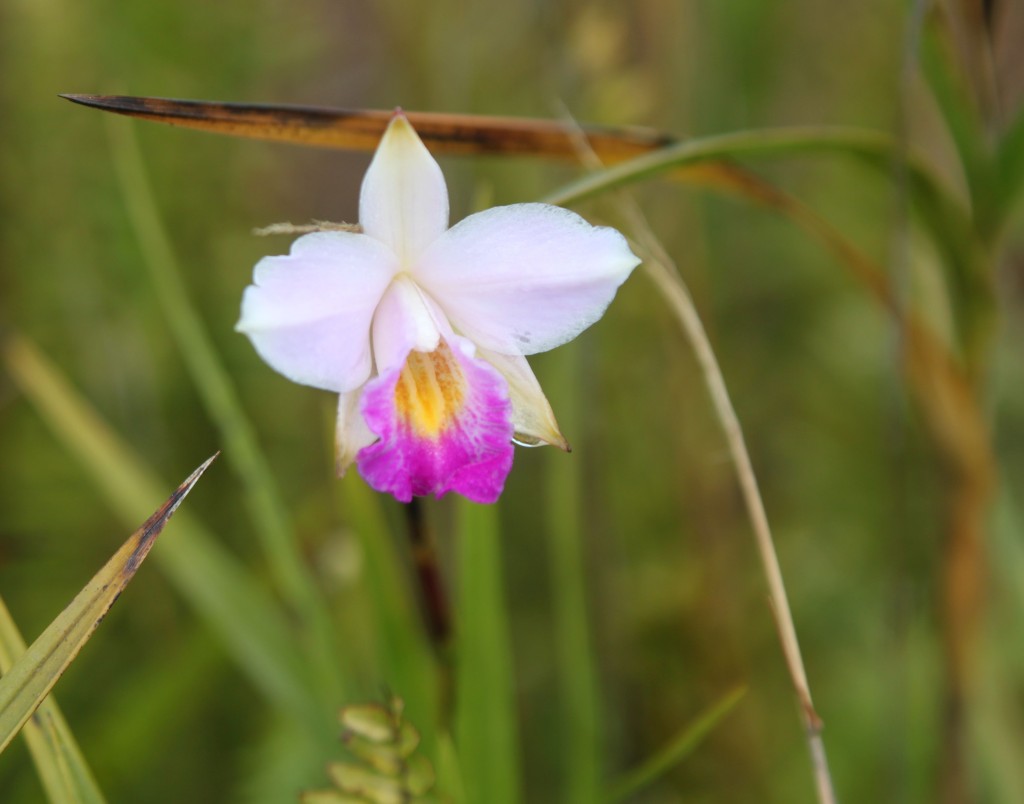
point(676, 601)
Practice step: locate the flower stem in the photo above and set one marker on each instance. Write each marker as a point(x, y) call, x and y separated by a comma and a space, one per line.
point(434, 599)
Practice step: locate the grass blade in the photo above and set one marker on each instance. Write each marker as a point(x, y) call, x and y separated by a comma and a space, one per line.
point(963, 120)
point(455, 134)
point(677, 750)
point(579, 695)
point(63, 771)
point(486, 732)
point(361, 129)
point(211, 579)
point(1009, 172)
point(267, 513)
point(942, 384)
point(408, 665)
point(33, 675)
point(461, 134)
point(677, 296)
point(703, 161)
point(663, 271)
point(946, 220)
point(464, 134)
point(996, 726)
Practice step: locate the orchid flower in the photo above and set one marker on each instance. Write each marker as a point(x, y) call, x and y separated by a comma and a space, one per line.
point(423, 330)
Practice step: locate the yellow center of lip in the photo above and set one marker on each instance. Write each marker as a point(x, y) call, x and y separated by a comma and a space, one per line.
point(430, 390)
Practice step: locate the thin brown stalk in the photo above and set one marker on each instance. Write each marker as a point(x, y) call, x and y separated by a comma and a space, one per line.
point(661, 268)
point(433, 598)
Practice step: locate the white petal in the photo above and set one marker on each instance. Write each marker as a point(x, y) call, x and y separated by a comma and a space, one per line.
point(404, 321)
point(308, 313)
point(404, 200)
point(532, 417)
point(524, 278)
point(351, 434)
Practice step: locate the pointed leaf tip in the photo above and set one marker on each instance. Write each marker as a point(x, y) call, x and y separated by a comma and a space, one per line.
point(361, 129)
point(153, 526)
point(75, 97)
point(33, 675)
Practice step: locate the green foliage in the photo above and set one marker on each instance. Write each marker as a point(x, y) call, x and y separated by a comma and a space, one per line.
point(30, 673)
point(613, 592)
point(486, 728)
point(681, 746)
point(59, 762)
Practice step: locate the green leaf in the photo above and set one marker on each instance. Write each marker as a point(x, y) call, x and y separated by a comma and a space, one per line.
point(66, 777)
point(33, 675)
point(312, 618)
point(580, 736)
point(223, 591)
point(962, 120)
point(1009, 173)
point(677, 750)
point(944, 218)
point(997, 726)
point(486, 732)
point(407, 664)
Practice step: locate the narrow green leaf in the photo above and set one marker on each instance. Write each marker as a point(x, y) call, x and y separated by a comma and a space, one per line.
point(360, 129)
point(312, 619)
point(677, 750)
point(944, 218)
point(208, 576)
point(875, 146)
point(1009, 173)
point(407, 664)
point(579, 697)
point(33, 675)
point(63, 771)
point(963, 122)
point(997, 726)
point(449, 774)
point(486, 732)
